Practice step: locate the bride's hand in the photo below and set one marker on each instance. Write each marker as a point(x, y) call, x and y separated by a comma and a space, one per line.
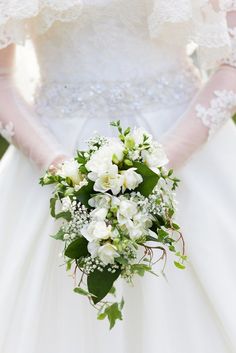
point(56, 163)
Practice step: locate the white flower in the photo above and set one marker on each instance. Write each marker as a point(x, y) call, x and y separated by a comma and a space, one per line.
point(116, 149)
point(109, 180)
point(131, 179)
point(135, 230)
point(70, 169)
point(155, 157)
point(96, 230)
point(138, 136)
point(99, 214)
point(66, 203)
point(93, 247)
point(127, 210)
point(108, 253)
point(100, 200)
point(101, 161)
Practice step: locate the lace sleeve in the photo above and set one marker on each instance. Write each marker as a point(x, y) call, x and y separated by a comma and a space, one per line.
point(213, 106)
point(18, 123)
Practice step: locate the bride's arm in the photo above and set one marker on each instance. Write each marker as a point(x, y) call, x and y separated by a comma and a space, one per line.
point(18, 121)
point(212, 107)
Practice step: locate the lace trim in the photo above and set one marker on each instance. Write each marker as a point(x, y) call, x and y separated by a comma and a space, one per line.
point(220, 110)
point(228, 5)
point(231, 59)
point(7, 131)
point(20, 19)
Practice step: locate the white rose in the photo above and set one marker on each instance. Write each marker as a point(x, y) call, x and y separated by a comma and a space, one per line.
point(96, 230)
point(110, 180)
point(70, 169)
point(99, 214)
point(131, 179)
point(107, 253)
point(127, 210)
point(100, 200)
point(155, 158)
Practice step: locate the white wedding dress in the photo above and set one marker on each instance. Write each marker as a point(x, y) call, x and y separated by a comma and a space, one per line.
point(99, 62)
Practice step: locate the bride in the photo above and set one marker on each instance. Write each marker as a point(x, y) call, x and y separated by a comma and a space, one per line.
point(101, 60)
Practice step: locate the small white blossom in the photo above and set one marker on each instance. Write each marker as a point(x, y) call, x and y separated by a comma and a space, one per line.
point(107, 253)
point(131, 179)
point(96, 230)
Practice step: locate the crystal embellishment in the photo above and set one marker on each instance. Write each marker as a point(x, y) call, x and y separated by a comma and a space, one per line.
point(114, 98)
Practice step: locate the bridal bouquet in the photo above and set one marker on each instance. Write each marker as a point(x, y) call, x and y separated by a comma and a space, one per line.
point(117, 203)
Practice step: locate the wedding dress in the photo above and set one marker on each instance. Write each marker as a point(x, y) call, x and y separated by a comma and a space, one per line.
point(102, 60)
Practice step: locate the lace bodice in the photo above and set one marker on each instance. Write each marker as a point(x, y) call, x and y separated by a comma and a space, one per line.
point(117, 57)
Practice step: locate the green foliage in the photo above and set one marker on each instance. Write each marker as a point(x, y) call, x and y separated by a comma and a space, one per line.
point(113, 313)
point(100, 283)
point(150, 179)
point(77, 249)
point(85, 193)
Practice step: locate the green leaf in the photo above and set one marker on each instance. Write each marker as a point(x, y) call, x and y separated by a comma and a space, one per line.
point(140, 269)
point(78, 248)
point(64, 215)
point(113, 314)
point(59, 235)
point(82, 291)
point(175, 226)
point(102, 316)
point(179, 265)
point(150, 179)
point(84, 194)
point(100, 283)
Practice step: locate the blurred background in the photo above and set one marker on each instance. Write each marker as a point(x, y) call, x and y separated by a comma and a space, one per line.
point(28, 74)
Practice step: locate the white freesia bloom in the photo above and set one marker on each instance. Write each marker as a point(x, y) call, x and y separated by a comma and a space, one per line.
point(109, 180)
point(135, 230)
point(127, 210)
point(93, 247)
point(107, 253)
point(70, 169)
point(101, 161)
point(155, 157)
point(100, 200)
point(99, 214)
point(138, 135)
point(96, 230)
point(131, 179)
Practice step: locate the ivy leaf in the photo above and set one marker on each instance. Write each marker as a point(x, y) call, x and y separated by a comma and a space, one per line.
point(179, 265)
point(140, 269)
point(84, 194)
point(150, 179)
point(100, 283)
point(65, 215)
point(113, 314)
point(59, 235)
point(82, 291)
point(78, 248)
